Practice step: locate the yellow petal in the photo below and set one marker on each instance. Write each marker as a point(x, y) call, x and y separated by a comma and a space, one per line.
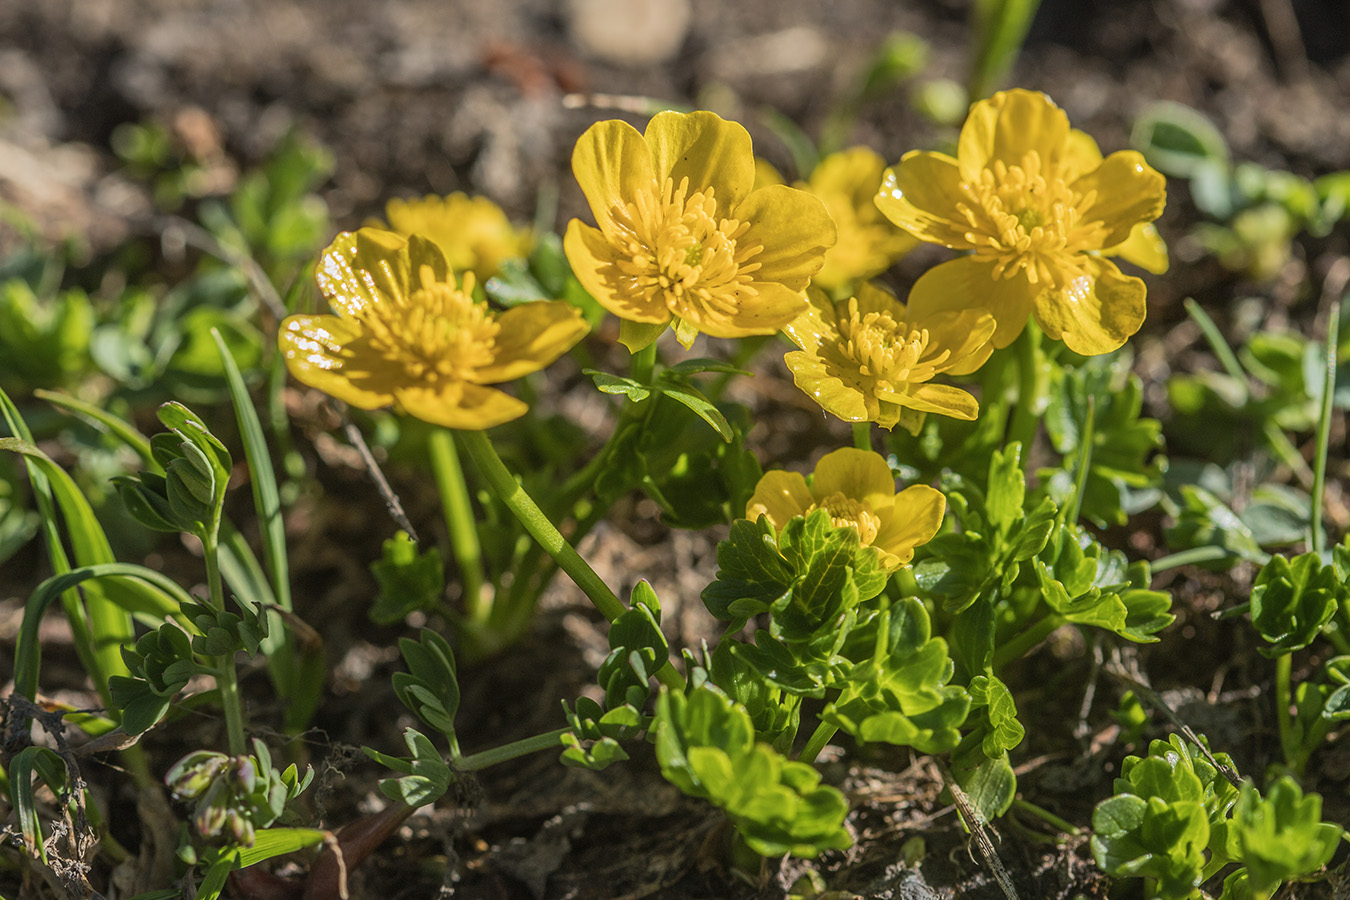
point(1081, 155)
point(1009, 125)
point(359, 271)
point(611, 162)
point(1128, 191)
point(968, 283)
point(706, 149)
point(780, 496)
point(920, 195)
point(811, 375)
point(942, 399)
point(532, 335)
point(770, 309)
point(1096, 313)
point(914, 520)
point(875, 299)
point(964, 335)
point(815, 323)
point(329, 353)
point(592, 261)
point(470, 407)
point(794, 229)
point(766, 174)
point(1144, 247)
point(857, 474)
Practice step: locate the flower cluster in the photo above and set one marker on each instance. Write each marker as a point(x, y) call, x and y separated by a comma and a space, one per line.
point(858, 490)
point(1039, 209)
point(683, 239)
point(407, 333)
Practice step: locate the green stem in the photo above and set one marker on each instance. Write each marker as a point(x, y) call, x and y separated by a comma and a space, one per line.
point(227, 679)
point(1194, 556)
point(459, 521)
point(1316, 537)
point(505, 486)
point(816, 743)
point(644, 363)
point(1284, 665)
point(1070, 512)
point(475, 761)
point(862, 435)
point(1030, 392)
point(1047, 816)
point(1027, 639)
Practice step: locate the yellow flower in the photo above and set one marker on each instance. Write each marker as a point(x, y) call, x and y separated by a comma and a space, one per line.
point(406, 334)
point(473, 232)
point(868, 243)
point(1038, 207)
point(865, 359)
point(683, 239)
point(857, 488)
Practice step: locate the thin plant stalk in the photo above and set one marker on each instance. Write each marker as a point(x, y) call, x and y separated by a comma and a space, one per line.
point(1316, 535)
point(479, 448)
point(862, 435)
point(227, 677)
point(1283, 700)
point(816, 743)
point(459, 522)
point(1031, 392)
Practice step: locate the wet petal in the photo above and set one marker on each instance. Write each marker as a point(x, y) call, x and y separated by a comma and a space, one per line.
point(770, 309)
point(814, 324)
point(330, 353)
point(811, 375)
point(1144, 247)
point(794, 229)
point(706, 149)
point(1009, 125)
point(611, 162)
point(858, 474)
point(470, 407)
point(968, 283)
point(942, 399)
point(1097, 312)
point(780, 496)
point(920, 195)
point(358, 271)
point(1128, 192)
point(532, 335)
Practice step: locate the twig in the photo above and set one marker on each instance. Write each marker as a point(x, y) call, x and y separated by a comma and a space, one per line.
point(980, 832)
point(1291, 57)
point(1116, 669)
point(391, 500)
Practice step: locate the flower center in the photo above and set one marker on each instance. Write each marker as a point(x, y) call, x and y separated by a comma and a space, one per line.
point(676, 251)
point(1026, 218)
point(436, 332)
point(877, 352)
point(845, 510)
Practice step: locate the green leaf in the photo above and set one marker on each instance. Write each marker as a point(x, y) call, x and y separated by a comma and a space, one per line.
point(409, 581)
point(1005, 731)
point(430, 688)
point(426, 777)
point(615, 384)
point(272, 842)
point(1282, 835)
point(1292, 601)
point(705, 745)
point(1177, 140)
